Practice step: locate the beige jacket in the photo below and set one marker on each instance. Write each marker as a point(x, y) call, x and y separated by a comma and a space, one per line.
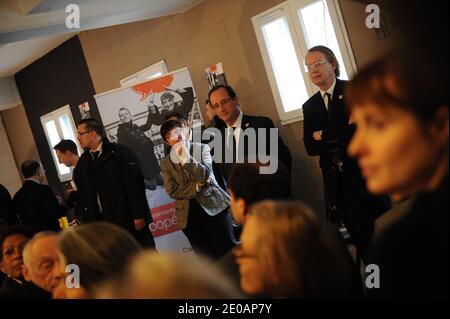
point(180, 183)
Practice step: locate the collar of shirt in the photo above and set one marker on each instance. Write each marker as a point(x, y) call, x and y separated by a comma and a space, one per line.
point(238, 122)
point(32, 179)
point(98, 149)
point(330, 91)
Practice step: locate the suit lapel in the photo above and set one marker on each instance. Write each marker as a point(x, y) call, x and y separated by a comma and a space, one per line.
point(338, 103)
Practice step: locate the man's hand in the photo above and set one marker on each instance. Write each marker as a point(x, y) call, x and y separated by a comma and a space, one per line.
point(151, 103)
point(317, 135)
point(181, 148)
point(139, 223)
point(208, 182)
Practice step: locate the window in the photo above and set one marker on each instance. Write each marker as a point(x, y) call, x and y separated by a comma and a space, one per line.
point(284, 34)
point(153, 71)
point(59, 125)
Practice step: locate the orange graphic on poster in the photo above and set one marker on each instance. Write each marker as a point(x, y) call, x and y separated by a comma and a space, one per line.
point(154, 86)
point(213, 67)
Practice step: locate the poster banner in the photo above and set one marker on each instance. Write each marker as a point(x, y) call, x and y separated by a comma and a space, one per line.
point(215, 75)
point(85, 111)
point(133, 116)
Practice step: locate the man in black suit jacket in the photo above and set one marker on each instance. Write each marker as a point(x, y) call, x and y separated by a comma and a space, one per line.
point(225, 105)
point(37, 205)
point(327, 132)
point(110, 183)
point(8, 213)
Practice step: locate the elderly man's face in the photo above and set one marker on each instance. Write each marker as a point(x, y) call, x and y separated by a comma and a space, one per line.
point(12, 260)
point(44, 269)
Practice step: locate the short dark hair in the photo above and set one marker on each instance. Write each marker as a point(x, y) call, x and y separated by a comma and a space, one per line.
point(328, 54)
point(30, 168)
point(93, 125)
point(167, 127)
point(178, 115)
point(66, 146)
point(247, 183)
point(13, 230)
point(229, 89)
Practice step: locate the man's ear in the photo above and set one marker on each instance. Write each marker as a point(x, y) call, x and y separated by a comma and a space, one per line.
point(26, 273)
point(2, 268)
point(242, 208)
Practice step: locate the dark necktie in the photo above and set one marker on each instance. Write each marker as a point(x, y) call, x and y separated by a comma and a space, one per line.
point(330, 108)
point(95, 156)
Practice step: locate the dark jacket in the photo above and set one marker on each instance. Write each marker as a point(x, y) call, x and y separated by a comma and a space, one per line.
point(117, 179)
point(346, 190)
point(315, 118)
point(38, 207)
point(8, 212)
point(11, 289)
point(253, 122)
point(413, 254)
point(132, 136)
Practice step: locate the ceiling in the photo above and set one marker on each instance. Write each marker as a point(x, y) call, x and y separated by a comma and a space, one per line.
point(31, 28)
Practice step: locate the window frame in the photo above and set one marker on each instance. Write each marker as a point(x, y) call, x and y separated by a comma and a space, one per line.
point(54, 116)
point(289, 9)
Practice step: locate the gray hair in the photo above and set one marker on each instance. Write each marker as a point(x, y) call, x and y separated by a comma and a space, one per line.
point(29, 247)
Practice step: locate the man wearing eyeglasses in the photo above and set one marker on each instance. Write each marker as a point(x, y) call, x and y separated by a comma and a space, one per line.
point(110, 183)
point(233, 125)
point(327, 131)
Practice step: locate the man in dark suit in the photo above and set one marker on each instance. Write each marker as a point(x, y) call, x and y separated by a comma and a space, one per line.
point(110, 183)
point(8, 213)
point(38, 207)
point(327, 132)
point(240, 134)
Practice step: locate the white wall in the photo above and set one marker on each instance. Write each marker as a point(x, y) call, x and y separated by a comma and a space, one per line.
point(9, 174)
point(9, 97)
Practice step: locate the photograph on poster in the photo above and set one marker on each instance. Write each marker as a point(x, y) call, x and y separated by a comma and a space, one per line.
point(85, 111)
point(215, 75)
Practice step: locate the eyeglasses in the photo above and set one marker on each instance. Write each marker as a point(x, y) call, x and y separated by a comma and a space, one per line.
point(314, 65)
point(82, 133)
point(221, 103)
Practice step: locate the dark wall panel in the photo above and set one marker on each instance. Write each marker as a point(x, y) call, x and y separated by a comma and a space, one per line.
point(59, 78)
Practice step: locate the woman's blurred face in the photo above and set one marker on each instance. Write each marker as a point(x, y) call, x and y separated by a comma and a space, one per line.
point(394, 153)
point(63, 290)
point(252, 276)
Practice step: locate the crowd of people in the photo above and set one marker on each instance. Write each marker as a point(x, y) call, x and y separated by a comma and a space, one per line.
point(382, 138)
